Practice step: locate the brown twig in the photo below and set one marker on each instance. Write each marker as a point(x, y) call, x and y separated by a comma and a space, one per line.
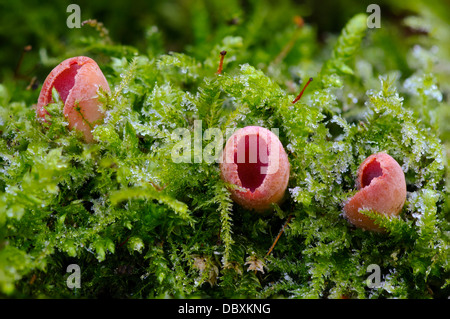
point(26, 49)
point(222, 56)
point(301, 93)
point(279, 235)
point(33, 278)
point(288, 47)
point(100, 27)
point(124, 242)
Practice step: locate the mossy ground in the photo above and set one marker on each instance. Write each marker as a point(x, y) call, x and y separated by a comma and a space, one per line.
point(140, 225)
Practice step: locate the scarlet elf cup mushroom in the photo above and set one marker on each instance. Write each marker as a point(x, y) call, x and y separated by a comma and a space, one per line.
point(382, 189)
point(77, 81)
point(254, 160)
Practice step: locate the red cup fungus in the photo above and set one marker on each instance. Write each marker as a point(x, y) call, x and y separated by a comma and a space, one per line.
point(77, 81)
point(254, 159)
point(382, 189)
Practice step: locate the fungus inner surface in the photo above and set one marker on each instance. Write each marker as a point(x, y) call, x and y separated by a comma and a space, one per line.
point(65, 81)
point(251, 156)
point(371, 171)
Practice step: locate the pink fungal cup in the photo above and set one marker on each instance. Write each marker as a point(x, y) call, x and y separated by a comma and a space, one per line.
point(382, 189)
point(77, 80)
point(254, 160)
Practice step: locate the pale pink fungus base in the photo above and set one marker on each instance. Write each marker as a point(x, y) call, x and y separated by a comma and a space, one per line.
point(274, 184)
point(386, 194)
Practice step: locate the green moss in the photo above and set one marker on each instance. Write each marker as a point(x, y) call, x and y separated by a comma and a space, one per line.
point(141, 225)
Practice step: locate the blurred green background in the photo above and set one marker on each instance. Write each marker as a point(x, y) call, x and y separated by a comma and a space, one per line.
point(184, 24)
